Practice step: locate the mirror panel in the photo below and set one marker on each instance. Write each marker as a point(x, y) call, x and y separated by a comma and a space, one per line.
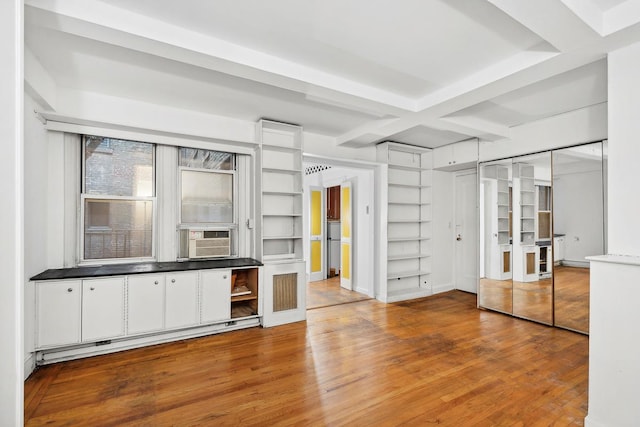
point(496, 225)
point(532, 244)
point(578, 218)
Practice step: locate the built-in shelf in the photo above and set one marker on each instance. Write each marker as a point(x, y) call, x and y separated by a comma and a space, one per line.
point(281, 185)
point(409, 221)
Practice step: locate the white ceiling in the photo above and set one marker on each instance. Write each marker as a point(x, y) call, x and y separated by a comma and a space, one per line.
point(425, 72)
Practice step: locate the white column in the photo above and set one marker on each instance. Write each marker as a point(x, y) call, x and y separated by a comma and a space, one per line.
point(11, 228)
point(614, 348)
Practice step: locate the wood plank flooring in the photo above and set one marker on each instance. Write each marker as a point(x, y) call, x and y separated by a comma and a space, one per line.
point(437, 360)
point(324, 293)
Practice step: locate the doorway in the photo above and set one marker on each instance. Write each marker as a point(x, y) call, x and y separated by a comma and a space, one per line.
point(339, 260)
point(466, 231)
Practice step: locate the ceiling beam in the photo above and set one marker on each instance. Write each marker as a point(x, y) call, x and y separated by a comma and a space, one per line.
point(112, 25)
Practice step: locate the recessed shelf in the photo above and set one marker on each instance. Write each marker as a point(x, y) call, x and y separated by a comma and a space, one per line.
point(407, 274)
point(282, 170)
point(408, 256)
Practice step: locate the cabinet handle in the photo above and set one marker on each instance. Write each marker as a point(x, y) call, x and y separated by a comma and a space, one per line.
point(92, 288)
point(224, 277)
point(70, 290)
point(155, 283)
point(173, 280)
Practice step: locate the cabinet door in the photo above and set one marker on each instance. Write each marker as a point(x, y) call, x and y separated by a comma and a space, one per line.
point(181, 303)
point(58, 313)
point(215, 295)
point(102, 308)
point(145, 303)
point(443, 156)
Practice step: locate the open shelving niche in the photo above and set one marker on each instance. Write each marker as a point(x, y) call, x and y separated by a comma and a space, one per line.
point(244, 293)
point(281, 226)
point(409, 249)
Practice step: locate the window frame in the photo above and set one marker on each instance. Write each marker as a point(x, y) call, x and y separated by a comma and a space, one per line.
point(85, 196)
point(233, 227)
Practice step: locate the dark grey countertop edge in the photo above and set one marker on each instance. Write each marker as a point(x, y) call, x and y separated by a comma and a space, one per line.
point(141, 268)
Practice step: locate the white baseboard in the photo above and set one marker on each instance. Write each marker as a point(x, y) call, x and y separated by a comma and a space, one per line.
point(569, 263)
point(29, 364)
point(443, 287)
point(590, 422)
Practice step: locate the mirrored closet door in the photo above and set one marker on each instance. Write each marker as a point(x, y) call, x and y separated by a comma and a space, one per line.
point(496, 235)
point(532, 247)
point(579, 221)
point(541, 215)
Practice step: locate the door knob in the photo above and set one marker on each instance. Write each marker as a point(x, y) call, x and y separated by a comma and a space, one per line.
point(459, 237)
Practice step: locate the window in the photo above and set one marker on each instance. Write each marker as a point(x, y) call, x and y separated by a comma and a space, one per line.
point(206, 187)
point(117, 199)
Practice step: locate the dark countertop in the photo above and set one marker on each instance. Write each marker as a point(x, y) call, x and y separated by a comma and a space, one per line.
point(140, 268)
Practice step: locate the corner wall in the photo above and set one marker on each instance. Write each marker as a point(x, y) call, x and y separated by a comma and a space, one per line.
point(11, 215)
point(36, 217)
point(614, 350)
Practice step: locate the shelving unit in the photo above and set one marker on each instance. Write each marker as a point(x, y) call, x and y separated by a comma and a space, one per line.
point(280, 225)
point(281, 179)
point(527, 204)
point(499, 256)
point(244, 293)
point(408, 221)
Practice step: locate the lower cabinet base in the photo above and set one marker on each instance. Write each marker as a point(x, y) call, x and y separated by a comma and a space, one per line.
point(60, 354)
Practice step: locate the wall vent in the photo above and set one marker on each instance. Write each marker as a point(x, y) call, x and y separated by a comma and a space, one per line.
point(285, 292)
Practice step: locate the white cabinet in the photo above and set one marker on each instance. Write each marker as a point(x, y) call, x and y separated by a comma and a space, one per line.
point(145, 303)
point(58, 308)
point(102, 308)
point(458, 156)
point(284, 293)
point(215, 295)
point(181, 299)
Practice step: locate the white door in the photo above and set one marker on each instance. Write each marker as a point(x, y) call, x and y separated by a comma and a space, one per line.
point(102, 308)
point(145, 303)
point(466, 232)
point(316, 234)
point(346, 235)
point(181, 299)
point(215, 295)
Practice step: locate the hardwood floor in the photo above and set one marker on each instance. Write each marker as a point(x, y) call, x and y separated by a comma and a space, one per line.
point(324, 293)
point(571, 288)
point(437, 360)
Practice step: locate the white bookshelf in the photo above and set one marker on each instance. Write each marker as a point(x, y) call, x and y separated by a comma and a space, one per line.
point(409, 180)
point(281, 190)
point(527, 204)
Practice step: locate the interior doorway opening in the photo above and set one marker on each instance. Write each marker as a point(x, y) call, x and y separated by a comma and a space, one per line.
point(338, 231)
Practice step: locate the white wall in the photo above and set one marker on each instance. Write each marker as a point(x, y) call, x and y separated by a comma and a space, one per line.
point(35, 214)
point(442, 229)
point(614, 351)
point(325, 146)
point(583, 232)
point(575, 127)
point(11, 215)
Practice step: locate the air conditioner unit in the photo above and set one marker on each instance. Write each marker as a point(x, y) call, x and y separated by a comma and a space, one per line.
point(209, 244)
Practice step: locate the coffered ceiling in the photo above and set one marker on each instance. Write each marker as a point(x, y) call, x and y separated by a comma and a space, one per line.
point(425, 72)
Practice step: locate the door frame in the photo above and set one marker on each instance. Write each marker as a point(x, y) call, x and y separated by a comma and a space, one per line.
point(321, 237)
point(375, 228)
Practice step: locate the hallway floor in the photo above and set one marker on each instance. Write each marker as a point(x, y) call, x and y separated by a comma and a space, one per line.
point(325, 293)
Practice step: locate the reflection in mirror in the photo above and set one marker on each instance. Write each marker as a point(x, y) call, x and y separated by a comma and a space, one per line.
point(578, 218)
point(532, 243)
point(495, 291)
